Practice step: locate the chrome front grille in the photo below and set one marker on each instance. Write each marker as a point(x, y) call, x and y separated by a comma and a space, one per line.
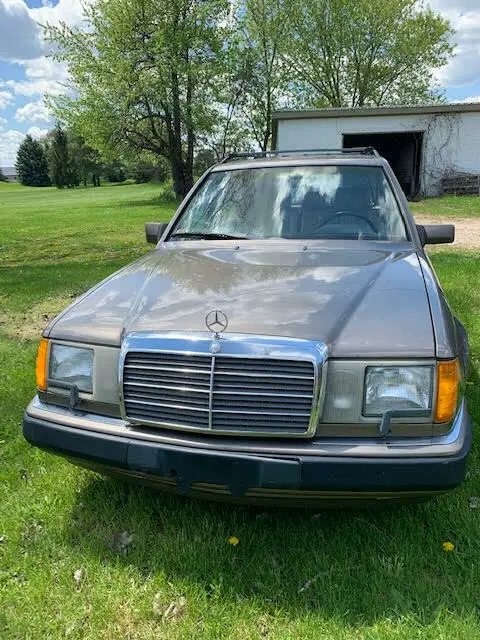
point(236, 391)
point(262, 394)
point(167, 388)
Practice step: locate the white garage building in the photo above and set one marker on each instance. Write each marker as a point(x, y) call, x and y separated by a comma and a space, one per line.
point(423, 144)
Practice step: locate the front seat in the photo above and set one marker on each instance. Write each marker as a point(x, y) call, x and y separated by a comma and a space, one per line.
point(315, 209)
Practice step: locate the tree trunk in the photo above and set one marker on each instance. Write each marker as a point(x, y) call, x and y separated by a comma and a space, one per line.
point(182, 174)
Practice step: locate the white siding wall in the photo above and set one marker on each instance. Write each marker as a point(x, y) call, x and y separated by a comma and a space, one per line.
point(451, 141)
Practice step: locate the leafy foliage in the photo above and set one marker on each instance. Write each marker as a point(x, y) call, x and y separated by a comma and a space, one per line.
point(3, 177)
point(267, 73)
point(114, 172)
point(354, 53)
point(142, 74)
point(173, 77)
point(31, 164)
point(143, 172)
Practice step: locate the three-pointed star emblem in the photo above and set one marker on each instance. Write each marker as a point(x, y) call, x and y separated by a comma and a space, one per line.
point(216, 321)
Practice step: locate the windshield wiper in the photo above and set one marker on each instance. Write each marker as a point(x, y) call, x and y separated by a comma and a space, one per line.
point(206, 236)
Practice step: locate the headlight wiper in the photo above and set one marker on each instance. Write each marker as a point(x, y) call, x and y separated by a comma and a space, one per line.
point(384, 427)
point(73, 396)
point(206, 236)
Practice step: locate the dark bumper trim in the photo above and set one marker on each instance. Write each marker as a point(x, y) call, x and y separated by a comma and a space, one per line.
point(241, 472)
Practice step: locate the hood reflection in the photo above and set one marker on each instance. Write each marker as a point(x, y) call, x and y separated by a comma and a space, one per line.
point(360, 300)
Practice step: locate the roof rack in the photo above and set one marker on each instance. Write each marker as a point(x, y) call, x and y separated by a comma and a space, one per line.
point(367, 151)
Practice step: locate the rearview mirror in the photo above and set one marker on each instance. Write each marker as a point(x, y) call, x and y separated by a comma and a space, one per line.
point(436, 233)
point(154, 231)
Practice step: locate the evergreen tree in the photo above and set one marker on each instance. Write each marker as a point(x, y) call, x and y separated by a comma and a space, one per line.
point(31, 164)
point(3, 177)
point(63, 170)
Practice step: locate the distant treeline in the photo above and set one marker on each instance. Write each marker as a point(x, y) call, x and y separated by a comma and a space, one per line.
point(62, 159)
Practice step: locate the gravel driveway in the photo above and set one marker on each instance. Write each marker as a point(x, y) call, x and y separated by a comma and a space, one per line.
point(467, 230)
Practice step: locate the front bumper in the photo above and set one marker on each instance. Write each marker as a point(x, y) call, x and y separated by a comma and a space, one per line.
point(311, 474)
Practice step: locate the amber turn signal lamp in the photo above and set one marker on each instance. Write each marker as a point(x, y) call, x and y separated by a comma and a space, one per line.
point(41, 369)
point(448, 376)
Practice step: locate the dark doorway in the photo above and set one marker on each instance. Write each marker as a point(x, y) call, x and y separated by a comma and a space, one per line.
point(402, 150)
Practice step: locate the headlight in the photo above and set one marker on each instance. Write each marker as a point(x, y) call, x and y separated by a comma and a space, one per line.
point(72, 365)
point(400, 388)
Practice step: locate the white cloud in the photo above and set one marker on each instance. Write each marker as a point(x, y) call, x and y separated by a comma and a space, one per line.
point(9, 143)
point(6, 99)
point(21, 41)
point(45, 68)
point(33, 112)
point(34, 88)
point(43, 76)
point(69, 11)
point(3, 122)
point(37, 133)
point(461, 6)
point(20, 35)
point(469, 100)
point(464, 68)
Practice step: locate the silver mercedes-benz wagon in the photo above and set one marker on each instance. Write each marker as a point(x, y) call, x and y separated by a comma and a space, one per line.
point(286, 341)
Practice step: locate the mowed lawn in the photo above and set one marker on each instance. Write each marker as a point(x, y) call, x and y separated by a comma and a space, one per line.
point(451, 206)
point(82, 556)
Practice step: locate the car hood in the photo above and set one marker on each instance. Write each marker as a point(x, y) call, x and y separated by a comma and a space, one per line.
point(361, 299)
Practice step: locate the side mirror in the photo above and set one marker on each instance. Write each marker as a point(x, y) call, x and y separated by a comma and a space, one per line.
point(436, 233)
point(154, 231)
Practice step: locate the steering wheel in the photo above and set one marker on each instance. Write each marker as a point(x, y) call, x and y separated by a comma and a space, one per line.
point(352, 214)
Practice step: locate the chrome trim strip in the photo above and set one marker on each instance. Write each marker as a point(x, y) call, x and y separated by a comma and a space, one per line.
point(148, 367)
point(446, 445)
point(262, 395)
point(246, 374)
point(245, 346)
point(166, 386)
point(210, 397)
point(182, 407)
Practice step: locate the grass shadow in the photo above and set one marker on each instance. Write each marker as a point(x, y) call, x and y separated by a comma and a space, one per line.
point(165, 198)
point(358, 566)
point(355, 565)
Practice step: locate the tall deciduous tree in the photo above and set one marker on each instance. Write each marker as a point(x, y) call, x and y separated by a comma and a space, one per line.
point(31, 164)
point(143, 75)
point(358, 52)
point(265, 71)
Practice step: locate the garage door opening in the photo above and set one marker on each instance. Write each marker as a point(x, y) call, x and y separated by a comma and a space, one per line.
point(402, 150)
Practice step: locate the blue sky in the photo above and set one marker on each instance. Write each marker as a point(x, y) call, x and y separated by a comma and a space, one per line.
point(26, 74)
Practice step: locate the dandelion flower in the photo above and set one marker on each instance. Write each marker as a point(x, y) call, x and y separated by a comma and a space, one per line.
point(233, 540)
point(448, 546)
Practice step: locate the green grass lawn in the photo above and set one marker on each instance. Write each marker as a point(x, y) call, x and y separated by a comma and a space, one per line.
point(451, 206)
point(336, 574)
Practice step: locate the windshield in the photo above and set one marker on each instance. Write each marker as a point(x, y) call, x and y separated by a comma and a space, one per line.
point(317, 202)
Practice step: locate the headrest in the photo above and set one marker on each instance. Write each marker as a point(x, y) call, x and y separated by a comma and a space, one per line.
point(352, 199)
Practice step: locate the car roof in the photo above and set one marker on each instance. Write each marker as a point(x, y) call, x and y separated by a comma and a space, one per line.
point(300, 158)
